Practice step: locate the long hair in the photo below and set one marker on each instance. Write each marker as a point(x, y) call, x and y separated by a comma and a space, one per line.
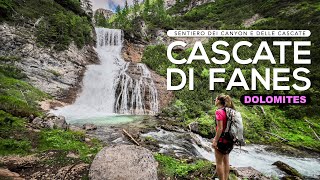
point(226, 101)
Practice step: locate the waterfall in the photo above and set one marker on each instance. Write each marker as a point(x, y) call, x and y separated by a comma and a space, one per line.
point(111, 88)
point(136, 92)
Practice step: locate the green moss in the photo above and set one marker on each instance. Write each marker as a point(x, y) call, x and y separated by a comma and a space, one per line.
point(12, 140)
point(12, 146)
point(18, 97)
point(177, 168)
point(67, 141)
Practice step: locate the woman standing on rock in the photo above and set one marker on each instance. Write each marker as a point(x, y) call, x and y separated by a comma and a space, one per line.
point(221, 143)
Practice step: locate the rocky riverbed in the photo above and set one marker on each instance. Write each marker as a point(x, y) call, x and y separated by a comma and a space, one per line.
point(156, 136)
point(250, 161)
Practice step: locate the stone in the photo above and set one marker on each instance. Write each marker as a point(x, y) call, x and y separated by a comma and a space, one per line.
point(50, 115)
point(76, 128)
point(72, 171)
point(61, 123)
point(290, 178)
point(164, 96)
point(37, 122)
point(17, 162)
point(194, 127)
point(57, 73)
point(51, 121)
point(89, 127)
point(249, 173)
point(49, 124)
point(287, 169)
point(7, 174)
point(249, 22)
point(124, 162)
point(73, 155)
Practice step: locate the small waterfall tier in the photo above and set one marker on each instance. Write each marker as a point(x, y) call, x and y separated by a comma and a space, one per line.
point(135, 90)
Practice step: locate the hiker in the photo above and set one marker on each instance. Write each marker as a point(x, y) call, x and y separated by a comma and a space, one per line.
point(221, 143)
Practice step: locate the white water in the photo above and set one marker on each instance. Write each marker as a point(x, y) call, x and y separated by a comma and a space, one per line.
point(257, 157)
point(134, 92)
point(251, 155)
point(98, 96)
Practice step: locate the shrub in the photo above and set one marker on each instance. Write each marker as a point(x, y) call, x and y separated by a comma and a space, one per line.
point(62, 28)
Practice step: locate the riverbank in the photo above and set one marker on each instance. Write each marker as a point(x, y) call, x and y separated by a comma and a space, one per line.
point(182, 145)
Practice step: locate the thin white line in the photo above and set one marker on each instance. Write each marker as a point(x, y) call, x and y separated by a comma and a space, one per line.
point(238, 33)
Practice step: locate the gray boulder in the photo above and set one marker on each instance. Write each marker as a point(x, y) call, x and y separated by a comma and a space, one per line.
point(50, 121)
point(38, 122)
point(124, 162)
point(194, 127)
point(61, 123)
point(89, 127)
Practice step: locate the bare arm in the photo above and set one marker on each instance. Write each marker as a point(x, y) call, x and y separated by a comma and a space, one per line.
point(219, 130)
point(218, 134)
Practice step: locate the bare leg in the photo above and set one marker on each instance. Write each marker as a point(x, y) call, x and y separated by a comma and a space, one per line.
point(220, 166)
point(226, 166)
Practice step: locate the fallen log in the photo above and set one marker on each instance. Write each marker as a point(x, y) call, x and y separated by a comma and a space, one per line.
point(130, 137)
point(312, 129)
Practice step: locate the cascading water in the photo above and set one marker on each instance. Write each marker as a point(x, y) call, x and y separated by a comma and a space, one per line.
point(136, 92)
point(110, 87)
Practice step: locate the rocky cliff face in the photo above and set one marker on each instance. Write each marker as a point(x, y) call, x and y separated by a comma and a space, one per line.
point(56, 73)
point(87, 6)
point(106, 13)
point(191, 4)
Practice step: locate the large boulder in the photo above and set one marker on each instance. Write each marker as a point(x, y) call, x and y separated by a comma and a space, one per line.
point(288, 169)
point(50, 121)
point(124, 162)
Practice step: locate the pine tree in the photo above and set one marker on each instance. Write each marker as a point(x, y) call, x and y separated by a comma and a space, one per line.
point(118, 9)
point(135, 7)
point(146, 9)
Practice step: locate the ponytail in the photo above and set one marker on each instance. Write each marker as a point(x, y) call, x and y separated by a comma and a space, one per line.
point(226, 101)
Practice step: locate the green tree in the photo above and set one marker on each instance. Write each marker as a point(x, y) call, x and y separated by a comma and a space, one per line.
point(146, 9)
point(135, 7)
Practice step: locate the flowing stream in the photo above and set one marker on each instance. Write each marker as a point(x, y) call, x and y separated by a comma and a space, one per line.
point(190, 144)
point(112, 88)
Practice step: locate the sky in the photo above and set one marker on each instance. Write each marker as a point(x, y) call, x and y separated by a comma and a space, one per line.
point(109, 4)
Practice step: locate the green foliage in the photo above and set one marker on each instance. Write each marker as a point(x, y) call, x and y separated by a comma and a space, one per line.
point(73, 5)
point(178, 110)
point(12, 146)
point(18, 97)
point(10, 141)
point(62, 28)
point(177, 168)
point(68, 141)
point(6, 8)
point(100, 20)
point(8, 69)
point(153, 13)
point(16, 139)
point(155, 57)
point(61, 21)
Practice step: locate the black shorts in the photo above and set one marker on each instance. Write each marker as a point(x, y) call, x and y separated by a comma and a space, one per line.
point(224, 146)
